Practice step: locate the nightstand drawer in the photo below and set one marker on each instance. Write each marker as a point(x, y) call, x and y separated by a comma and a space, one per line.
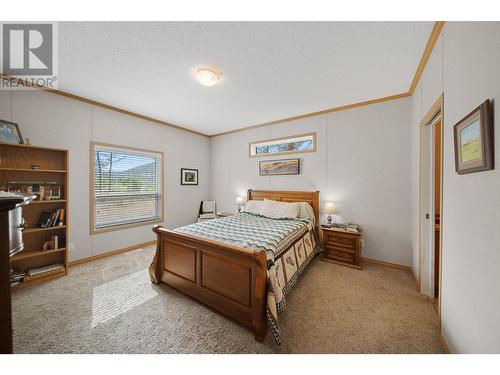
point(341, 256)
point(340, 240)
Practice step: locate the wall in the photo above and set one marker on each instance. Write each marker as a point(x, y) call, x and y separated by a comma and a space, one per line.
point(362, 163)
point(55, 121)
point(465, 66)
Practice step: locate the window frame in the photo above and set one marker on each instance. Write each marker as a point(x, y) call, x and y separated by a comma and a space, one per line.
point(93, 229)
point(254, 144)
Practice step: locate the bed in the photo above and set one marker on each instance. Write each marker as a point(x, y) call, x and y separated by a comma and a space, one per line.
point(242, 266)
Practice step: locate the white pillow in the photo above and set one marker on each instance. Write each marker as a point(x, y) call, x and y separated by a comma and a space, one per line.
point(254, 207)
point(279, 210)
point(306, 211)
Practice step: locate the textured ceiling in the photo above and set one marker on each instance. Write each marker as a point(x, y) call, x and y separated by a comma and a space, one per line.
point(272, 70)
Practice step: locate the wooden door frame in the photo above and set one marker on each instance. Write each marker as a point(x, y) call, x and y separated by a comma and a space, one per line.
point(436, 109)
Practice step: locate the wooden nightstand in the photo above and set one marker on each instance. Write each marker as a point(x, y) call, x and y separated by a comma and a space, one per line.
point(342, 247)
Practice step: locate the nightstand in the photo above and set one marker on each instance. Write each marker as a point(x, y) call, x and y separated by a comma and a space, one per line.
point(342, 247)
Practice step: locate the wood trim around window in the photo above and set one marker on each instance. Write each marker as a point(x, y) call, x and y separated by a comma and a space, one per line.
point(92, 228)
point(284, 152)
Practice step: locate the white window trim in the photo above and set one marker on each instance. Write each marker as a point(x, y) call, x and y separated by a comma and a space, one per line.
point(253, 145)
point(140, 151)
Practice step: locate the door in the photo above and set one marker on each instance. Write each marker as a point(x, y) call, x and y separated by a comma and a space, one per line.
point(437, 205)
point(426, 211)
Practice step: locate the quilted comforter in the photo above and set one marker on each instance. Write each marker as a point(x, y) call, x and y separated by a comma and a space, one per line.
point(290, 244)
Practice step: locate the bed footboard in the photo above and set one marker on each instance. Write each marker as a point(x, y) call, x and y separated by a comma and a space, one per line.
point(231, 280)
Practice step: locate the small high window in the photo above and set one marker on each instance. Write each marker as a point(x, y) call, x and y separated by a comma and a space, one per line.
point(287, 145)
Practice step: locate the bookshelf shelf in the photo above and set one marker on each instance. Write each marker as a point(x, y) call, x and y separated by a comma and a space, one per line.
point(33, 254)
point(49, 201)
point(17, 174)
point(34, 230)
point(47, 276)
point(32, 170)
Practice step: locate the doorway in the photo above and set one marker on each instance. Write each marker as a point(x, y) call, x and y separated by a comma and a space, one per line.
point(430, 212)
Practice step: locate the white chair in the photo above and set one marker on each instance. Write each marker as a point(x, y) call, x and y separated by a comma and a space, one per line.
point(207, 211)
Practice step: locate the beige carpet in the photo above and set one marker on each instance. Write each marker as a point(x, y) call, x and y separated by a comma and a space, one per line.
point(110, 306)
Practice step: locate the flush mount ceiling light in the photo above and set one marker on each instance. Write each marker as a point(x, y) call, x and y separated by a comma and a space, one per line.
point(207, 76)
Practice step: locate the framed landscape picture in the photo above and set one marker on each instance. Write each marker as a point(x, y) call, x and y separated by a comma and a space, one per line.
point(473, 137)
point(279, 167)
point(189, 176)
point(10, 132)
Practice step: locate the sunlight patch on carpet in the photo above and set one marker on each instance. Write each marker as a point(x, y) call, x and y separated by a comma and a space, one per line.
point(121, 295)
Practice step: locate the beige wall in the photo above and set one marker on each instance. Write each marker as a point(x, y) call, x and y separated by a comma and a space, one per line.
point(54, 121)
point(465, 66)
point(362, 163)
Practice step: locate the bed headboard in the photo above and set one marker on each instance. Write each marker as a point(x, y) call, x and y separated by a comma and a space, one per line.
point(311, 197)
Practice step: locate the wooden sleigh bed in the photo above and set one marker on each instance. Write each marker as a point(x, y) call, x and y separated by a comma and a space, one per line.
point(230, 279)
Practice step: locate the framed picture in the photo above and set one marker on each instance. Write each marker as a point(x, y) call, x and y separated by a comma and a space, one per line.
point(474, 141)
point(279, 167)
point(10, 132)
point(189, 176)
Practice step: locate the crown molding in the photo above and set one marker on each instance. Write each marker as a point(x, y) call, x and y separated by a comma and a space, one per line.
point(318, 113)
point(105, 106)
point(436, 31)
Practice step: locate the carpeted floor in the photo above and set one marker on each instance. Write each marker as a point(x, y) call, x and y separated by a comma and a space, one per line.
point(110, 306)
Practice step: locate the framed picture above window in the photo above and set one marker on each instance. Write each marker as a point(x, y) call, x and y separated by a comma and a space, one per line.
point(287, 145)
point(189, 176)
point(279, 167)
point(126, 187)
point(473, 137)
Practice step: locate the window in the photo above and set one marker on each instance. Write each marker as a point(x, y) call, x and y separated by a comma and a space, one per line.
point(289, 145)
point(126, 187)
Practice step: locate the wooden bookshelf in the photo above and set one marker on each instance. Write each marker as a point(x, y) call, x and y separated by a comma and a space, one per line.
point(34, 164)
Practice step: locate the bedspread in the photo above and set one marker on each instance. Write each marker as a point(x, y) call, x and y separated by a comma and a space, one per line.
point(290, 244)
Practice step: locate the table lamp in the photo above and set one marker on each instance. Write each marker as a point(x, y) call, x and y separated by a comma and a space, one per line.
point(239, 201)
point(329, 209)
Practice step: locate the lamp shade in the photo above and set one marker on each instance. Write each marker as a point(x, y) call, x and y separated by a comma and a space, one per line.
point(329, 208)
point(239, 200)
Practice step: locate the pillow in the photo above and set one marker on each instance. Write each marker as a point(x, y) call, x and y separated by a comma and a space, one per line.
point(254, 207)
point(306, 211)
point(279, 210)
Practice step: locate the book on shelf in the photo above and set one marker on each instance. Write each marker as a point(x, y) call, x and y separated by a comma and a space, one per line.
point(51, 219)
point(40, 270)
point(16, 276)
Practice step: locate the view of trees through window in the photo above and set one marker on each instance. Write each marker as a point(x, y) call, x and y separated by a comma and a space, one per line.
point(282, 147)
point(292, 144)
point(126, 188)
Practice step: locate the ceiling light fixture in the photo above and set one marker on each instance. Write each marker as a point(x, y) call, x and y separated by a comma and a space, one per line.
point(207, 77)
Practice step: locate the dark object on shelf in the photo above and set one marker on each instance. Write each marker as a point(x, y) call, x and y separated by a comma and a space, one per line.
point(61, 239)
point(43, 220)
point(10, 132)
point(35, 166)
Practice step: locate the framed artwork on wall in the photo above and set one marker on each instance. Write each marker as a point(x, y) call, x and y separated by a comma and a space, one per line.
point(10, 132)
point(189, 176)
point(473, 137)
point(279, 167)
